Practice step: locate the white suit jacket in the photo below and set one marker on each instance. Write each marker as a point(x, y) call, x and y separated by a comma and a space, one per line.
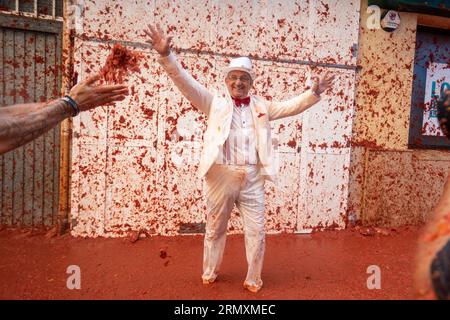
point(219, 109)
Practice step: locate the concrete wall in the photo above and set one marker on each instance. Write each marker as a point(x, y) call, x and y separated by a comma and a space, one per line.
point(389, 184)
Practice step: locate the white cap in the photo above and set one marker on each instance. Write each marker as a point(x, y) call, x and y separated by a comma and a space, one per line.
point(241, 64)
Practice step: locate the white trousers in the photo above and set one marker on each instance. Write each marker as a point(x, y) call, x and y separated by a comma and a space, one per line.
point(225, 186)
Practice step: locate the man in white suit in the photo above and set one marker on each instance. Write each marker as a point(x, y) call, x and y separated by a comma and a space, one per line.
point(237, 154)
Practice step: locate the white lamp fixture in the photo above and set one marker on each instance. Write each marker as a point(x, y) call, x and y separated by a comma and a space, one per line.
point(390, 21)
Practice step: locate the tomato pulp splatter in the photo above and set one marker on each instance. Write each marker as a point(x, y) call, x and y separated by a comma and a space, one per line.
point(120, 62)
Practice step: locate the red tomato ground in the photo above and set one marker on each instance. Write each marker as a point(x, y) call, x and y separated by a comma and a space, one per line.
point(324, 265)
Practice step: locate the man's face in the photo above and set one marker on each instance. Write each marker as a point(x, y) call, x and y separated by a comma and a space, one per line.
point(238, 84)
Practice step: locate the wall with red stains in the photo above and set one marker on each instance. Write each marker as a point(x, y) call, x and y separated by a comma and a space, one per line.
point(390, 185)
point(132, 163)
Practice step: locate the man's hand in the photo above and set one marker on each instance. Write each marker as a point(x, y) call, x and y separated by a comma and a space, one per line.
point(323, 83)
point(160, 42)
point(88, 95)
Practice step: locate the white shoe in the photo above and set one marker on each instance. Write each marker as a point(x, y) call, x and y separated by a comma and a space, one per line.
point(253, 287)
point(208, 281)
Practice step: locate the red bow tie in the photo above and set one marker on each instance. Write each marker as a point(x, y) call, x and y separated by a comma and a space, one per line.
point(241, 102)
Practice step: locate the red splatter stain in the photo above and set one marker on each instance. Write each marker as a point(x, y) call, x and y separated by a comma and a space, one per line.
point(292, 143)
point(281, 22)
point(148, 113)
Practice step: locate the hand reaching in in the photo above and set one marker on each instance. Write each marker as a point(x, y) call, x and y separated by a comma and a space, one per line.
point(88, 95)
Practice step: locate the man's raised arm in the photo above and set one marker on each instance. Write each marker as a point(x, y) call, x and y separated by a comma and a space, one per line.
point(195, 92)
point(294, 106)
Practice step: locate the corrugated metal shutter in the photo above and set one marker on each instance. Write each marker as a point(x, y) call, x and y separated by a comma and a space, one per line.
point(134, 165)
point(30, 71)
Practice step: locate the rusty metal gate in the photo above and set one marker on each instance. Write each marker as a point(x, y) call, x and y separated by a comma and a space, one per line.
point(30, 60)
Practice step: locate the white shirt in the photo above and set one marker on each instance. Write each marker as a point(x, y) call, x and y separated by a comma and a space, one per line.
point(240, 146)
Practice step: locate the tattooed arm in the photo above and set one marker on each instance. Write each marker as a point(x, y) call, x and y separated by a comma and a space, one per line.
point(22, 123)
point(18, 129)
point(20, 109)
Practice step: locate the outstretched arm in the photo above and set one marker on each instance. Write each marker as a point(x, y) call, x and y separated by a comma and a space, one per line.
point(195, 92)
point(294, 106)
point(20, 124)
